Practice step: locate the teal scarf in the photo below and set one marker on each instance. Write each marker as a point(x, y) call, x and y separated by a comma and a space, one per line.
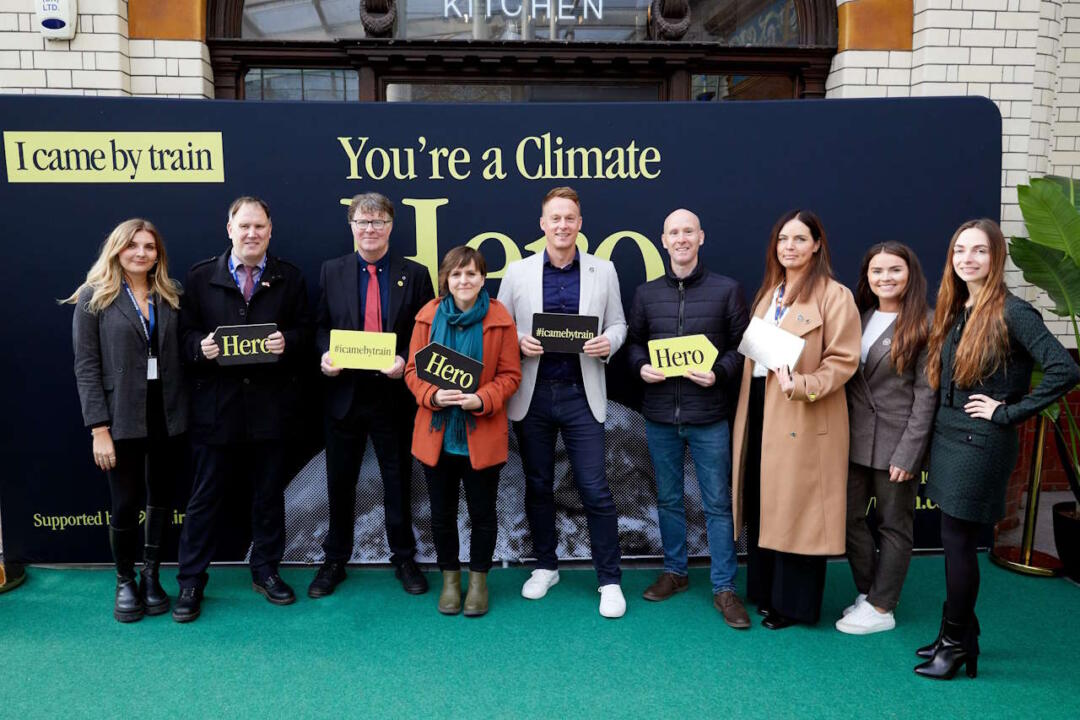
point(463, 332)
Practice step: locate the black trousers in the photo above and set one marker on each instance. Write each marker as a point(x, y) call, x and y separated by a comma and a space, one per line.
point(960, 540)
point(216, 466)
point(879, 570)
point(390, 430)
point(145, 472)
point(793, 585)
point(481, 492)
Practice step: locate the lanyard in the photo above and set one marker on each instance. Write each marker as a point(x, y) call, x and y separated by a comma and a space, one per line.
point(147, 325)
point(778, 312)
point(234, 270)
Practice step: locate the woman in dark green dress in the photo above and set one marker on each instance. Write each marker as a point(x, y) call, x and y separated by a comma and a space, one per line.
point(983, 345)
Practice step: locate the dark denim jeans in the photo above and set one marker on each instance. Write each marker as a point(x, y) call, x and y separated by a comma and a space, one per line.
point(561, 407)
point(710, 449)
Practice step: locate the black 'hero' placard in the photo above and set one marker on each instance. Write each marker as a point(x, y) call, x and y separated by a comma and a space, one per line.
point(244, 344)
point(448, 369)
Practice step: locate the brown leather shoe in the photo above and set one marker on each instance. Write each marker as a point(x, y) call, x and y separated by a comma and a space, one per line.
point(731, 607)
point(665, 586)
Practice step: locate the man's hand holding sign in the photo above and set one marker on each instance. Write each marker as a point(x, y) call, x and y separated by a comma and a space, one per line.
point(690, 356)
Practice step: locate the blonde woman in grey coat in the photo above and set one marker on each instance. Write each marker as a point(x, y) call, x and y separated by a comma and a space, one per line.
point(128, 373)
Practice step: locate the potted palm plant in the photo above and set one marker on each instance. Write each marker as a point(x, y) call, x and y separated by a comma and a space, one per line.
point(1049, 258)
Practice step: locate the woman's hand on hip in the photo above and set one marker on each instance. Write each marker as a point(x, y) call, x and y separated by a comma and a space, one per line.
point(981, 406)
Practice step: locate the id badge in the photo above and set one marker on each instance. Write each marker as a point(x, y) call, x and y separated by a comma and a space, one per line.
point(151, 368)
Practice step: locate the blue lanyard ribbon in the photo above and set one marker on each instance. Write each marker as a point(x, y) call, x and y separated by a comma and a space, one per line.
point(148, 325)
point(778, 312)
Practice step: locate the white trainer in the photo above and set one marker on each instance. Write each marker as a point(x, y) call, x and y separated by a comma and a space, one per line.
point(864, 620)
point(539, 582)
point(612, 602)
point(859, 600)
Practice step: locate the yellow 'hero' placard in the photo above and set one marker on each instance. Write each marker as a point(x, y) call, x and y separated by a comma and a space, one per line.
point(359, 350)
point(114, 157)
point(674, 356)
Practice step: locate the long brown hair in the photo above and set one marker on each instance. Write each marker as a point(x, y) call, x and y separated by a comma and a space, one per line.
point(106, 276)
point(911, 332)
point(985, 342)
point(820, 266)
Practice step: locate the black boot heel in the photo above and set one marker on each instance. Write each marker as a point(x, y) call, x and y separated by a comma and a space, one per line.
point(972, 668)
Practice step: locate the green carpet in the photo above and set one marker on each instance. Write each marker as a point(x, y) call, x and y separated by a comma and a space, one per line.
point(371, 650)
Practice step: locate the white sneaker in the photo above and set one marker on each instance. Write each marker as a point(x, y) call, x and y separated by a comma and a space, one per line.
point(612, 602)
point(859, 600)
point(865, 619)
point(539, 583)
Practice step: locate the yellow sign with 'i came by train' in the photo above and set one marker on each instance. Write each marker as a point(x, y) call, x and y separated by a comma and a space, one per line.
point(672, 357)
point(113, 157)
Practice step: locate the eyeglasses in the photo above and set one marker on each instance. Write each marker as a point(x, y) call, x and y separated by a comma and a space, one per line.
point(373, 224)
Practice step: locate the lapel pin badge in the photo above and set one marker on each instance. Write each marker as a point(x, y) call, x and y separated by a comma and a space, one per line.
point(401, 283)
point(800, 318)
point(265, 283)
point(887, 342)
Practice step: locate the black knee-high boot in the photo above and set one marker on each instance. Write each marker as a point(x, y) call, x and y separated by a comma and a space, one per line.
point(128, 606)
point(154, 597)
point(959, 647)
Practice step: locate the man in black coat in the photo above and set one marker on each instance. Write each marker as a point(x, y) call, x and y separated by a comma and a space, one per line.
point(376, 290)
point(240, 414)
point(692, 410)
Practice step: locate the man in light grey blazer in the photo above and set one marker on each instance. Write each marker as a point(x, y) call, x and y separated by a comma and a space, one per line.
point(566, 393)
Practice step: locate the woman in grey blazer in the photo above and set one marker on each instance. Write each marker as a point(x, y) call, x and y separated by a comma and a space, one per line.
point(128, 373)
point(983, 345)
point(890, 410)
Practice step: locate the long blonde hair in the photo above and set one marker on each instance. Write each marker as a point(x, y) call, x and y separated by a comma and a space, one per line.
point(105, 276)
point(985, 343)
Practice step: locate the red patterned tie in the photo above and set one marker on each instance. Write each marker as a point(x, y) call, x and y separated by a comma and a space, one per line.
point(372, 305)
point(249, 281)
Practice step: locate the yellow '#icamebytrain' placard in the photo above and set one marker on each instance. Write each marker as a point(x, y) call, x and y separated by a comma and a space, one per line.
point(674, 356)
point(359, 350)
point(114, 157)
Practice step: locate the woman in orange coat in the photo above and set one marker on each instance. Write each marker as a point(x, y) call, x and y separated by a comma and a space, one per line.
point(461, 438)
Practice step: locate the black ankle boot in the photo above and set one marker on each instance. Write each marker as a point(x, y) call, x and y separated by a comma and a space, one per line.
point(959, 647)
point(927, 651)
point(154, 597)
point(128, 606)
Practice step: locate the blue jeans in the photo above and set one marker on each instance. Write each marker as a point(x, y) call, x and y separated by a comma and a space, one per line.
point(710, 449)
point(559, 407)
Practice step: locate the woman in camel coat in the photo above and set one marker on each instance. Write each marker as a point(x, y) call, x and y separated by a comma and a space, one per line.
point(790, 437)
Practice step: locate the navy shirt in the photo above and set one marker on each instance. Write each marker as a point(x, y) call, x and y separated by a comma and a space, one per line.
point(562, 294)
point(382, 272)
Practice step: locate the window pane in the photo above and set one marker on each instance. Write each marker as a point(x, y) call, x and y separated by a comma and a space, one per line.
point(521, 92)
point(742, 87)
point(301, 84)
point(729, 22)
